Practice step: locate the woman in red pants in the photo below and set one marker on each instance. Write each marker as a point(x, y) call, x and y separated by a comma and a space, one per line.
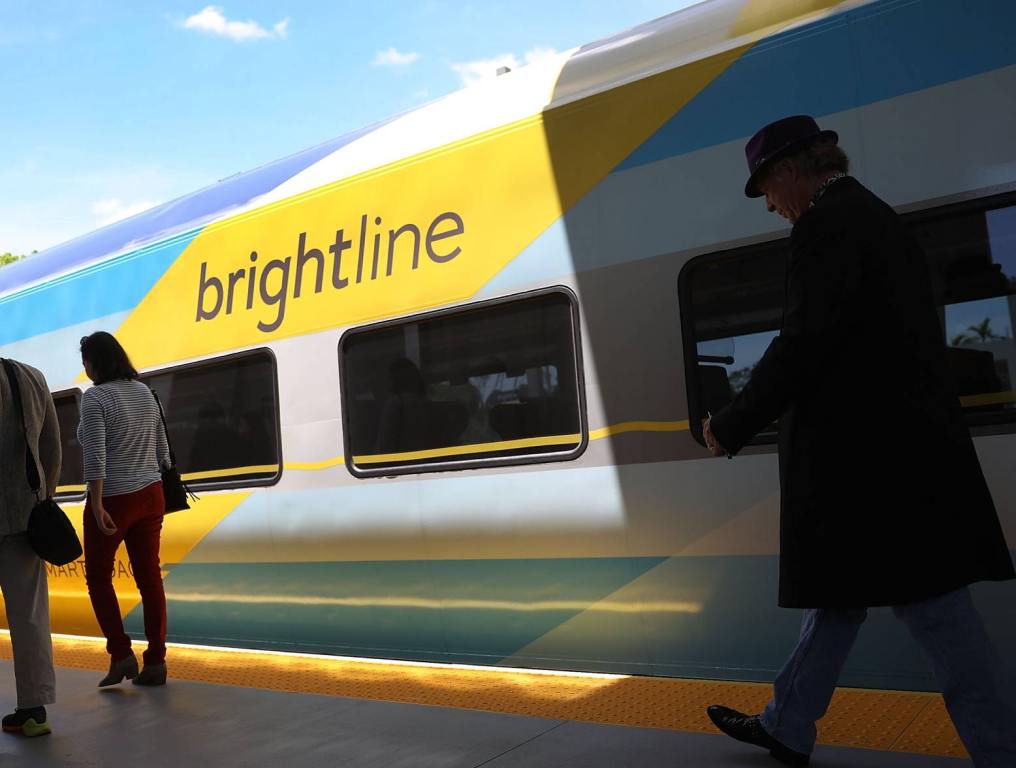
point(124, 446)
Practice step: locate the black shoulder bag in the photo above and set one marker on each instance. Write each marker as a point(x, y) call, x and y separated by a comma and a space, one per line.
point(173, 489)
point(49, 531)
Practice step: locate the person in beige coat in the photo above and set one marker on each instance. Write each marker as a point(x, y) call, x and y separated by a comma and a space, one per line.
point(22, 572)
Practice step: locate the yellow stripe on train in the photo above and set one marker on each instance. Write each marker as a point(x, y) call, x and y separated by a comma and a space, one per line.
point(419, 233)
point(433, 453)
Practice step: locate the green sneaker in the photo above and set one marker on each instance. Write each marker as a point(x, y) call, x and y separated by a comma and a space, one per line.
point(29, 722)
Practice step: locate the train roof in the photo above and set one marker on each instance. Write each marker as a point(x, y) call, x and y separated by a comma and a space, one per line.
point(671, 41)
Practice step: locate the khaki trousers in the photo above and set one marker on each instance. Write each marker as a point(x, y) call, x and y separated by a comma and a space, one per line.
point(26, 596)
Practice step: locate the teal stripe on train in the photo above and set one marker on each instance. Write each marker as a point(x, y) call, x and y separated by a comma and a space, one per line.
point(485, 611)
point(457, 610)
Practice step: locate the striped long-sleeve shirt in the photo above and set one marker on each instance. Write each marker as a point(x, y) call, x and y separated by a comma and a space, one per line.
point(121, 436)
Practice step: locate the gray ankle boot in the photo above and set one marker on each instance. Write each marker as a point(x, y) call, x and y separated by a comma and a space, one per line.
point(152, 674)
point(119, 669)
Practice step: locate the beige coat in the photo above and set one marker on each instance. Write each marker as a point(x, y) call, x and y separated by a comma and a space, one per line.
point(16, 500)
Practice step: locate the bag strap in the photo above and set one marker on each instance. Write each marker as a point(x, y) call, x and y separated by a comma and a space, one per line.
point(169, 445)
point(31, 466)
point(165, 429)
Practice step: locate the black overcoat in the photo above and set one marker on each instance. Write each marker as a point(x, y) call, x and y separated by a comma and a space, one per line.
point(882, 497)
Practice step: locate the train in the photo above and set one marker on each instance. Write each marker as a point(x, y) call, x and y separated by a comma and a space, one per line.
point(438, 384)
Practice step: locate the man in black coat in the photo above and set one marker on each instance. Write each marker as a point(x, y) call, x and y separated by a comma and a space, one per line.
point(882, 497)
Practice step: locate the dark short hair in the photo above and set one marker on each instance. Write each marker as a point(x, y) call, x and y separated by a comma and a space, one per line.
point(107, 358)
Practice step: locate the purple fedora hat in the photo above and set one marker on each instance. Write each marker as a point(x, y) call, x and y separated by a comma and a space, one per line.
point(779, 139)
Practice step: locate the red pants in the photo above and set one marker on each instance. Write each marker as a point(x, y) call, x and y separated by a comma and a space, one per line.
point(138, 519)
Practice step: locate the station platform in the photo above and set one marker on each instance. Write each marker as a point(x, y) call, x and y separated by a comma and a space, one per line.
point(250, 708)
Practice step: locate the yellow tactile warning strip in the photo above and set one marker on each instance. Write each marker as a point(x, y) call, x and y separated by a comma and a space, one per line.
point(885, 720)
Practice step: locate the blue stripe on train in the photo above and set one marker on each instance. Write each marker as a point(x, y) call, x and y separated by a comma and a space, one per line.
point(908, 46)
point(105, 289)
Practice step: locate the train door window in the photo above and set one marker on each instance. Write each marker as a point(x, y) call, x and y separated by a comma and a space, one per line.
point(223, 419)
point(972, 251)
point(68, 414)
point(732, 304)
point(732, 307)
point(494, 383)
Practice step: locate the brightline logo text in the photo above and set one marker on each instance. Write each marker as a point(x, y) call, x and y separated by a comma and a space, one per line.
point(221, 295)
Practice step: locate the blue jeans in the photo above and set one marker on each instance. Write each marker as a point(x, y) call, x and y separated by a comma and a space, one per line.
point(950, 632)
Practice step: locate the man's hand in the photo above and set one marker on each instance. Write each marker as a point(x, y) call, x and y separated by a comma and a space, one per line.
point(711, 442)
point(103, 520)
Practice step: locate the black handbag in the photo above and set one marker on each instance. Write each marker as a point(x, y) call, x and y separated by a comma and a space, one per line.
point(174, 491)
point(49, 531)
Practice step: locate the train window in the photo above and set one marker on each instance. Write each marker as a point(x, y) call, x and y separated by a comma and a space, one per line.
point(496, 382)
point(732, 306)
point(972, 250)
point(223, 419)
point(68, 414)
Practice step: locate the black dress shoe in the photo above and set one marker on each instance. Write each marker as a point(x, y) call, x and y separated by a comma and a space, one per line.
point(748, 728)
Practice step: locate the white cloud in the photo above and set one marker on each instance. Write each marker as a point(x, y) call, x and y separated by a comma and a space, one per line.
point(394, 58)
point(477, 71)
point(538, 54)
point(212, 20)
point(473, 72)
point(111, 210)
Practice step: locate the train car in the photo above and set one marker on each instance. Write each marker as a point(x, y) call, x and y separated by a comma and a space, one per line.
point(438, 383)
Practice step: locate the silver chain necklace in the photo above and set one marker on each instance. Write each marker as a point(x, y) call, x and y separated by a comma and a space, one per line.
point(824, 186)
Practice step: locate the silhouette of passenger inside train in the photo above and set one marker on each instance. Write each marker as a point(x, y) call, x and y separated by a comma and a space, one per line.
point(256, 446)
point(404, 415)
point(471, 423)
point(525, 411)
point(214, 443)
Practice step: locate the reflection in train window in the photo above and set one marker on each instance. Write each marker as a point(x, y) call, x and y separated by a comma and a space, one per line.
point(972, 249)
point(223, 419)
point(732, 307)
point(497, 382)
point(68, 414)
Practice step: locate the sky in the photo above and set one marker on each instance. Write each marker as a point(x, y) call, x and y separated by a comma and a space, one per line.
point(110, 107)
